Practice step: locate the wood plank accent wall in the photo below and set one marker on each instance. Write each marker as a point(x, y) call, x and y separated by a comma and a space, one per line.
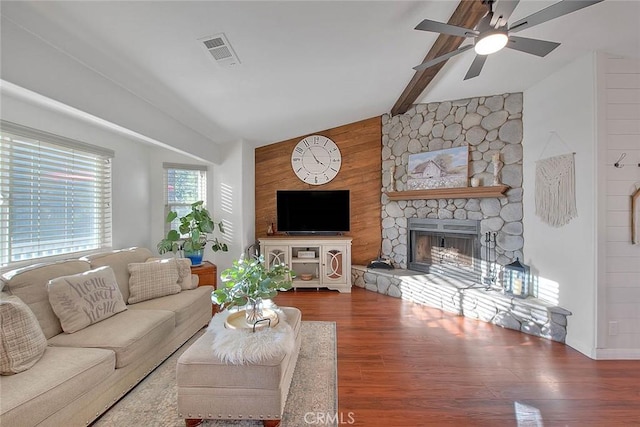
point(622, 262)
point(361, 172)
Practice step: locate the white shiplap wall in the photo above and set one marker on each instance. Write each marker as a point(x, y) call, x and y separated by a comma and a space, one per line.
point(622, 259)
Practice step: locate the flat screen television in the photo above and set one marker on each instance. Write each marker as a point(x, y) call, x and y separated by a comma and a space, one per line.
point(308, 212)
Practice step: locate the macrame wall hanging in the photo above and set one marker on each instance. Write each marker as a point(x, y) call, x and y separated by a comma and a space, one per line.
point(555, 193)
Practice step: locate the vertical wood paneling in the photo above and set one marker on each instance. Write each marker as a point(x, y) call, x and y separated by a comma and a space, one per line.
point(360, 144)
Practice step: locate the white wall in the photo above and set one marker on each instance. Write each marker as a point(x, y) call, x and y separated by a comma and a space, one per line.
point(129, 167)
point(29, 62)
point(248, 169)
point(560, 113)
point(619, 279)
point(234, 202)
point(138, 192)
point(137, 195)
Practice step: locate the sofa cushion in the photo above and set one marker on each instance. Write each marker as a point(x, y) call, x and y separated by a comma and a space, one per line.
point(183, 304)
point(150, 280)
point(85, 298)
point(131, 334)
point(57, 380)
point(22, 342)
point(30, 285)
point(119, 260)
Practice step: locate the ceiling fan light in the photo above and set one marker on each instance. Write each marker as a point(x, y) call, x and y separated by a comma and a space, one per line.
point(491, 43)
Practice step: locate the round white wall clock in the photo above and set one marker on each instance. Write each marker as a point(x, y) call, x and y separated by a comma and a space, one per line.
point(316, 159)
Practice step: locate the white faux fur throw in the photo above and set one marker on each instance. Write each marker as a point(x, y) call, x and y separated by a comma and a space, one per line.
point(241, 346)
point(555, 190)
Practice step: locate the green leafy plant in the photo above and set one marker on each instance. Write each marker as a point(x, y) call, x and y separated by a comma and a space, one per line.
point(197, 225)
point(250, 280)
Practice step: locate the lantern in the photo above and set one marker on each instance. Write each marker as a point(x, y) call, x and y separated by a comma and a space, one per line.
point(516, 279)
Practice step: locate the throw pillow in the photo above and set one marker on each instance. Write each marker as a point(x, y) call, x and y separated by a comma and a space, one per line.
point(86, 298)
point(183, 265)
point(22, 342)
point(150, 280)
point(184, 271)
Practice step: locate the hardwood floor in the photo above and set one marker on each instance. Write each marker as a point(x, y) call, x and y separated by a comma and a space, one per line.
point(403, 364)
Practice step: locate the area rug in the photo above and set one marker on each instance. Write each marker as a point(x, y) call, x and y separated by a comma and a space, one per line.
point(313, 390)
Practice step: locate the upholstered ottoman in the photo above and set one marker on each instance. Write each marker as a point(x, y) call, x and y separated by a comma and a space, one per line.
point(210, 388)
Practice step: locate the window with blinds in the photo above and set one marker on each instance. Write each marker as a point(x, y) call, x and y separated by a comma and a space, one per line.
point(55, 195)
point(184, 184)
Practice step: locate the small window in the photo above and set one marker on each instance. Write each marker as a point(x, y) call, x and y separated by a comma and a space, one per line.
point(55, 195)
point(185, 184)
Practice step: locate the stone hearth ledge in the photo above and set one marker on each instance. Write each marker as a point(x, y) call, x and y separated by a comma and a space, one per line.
point(529, 315)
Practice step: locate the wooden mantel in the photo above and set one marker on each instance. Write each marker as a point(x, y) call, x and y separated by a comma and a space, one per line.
point(450, 193)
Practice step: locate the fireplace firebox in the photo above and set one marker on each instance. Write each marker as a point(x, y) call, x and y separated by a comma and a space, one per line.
point(446, 246)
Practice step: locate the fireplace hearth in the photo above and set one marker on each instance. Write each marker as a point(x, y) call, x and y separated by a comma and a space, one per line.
point(445, 246)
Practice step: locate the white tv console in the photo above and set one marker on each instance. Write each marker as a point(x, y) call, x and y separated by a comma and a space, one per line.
point(329, 267)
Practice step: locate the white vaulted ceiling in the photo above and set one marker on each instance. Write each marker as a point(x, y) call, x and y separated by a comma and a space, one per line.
point(305, 65)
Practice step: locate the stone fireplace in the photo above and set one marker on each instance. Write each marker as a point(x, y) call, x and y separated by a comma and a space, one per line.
point(488, 126)
point(446, 246)
point(437, 244)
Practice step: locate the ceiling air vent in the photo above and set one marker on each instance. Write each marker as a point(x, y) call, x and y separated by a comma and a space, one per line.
point(220, 49)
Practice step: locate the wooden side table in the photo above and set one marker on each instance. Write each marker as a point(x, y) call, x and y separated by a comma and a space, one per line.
point(208, 276)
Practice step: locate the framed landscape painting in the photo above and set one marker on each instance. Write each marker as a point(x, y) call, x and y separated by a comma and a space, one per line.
point(438, 169)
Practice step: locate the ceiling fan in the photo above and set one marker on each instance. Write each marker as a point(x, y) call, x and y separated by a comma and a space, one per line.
point(493, 33)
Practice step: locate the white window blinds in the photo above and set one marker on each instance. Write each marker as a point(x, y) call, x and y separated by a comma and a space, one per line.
point(55, 195)
point(184, 184)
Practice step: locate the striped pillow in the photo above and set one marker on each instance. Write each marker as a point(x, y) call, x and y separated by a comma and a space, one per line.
point(151, 280)
point(22, 342)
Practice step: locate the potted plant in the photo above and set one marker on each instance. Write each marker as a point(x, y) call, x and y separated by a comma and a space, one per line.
point(248, 282)
point(193, 234)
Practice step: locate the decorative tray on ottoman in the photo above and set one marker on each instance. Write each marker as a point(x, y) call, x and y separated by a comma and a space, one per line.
point(238, 320)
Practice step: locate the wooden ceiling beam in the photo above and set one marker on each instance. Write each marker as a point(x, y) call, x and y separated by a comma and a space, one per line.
point(467, 14)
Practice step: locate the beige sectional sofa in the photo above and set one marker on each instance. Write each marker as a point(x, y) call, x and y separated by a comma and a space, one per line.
point(81, 374)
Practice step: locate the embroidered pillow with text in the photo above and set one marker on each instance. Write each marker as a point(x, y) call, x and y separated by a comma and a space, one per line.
point(86, 298)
